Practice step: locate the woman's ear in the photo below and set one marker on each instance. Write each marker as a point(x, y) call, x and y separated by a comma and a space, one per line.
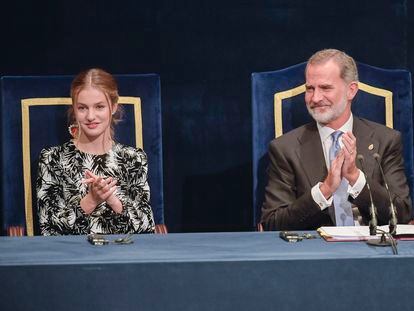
point(114, 108)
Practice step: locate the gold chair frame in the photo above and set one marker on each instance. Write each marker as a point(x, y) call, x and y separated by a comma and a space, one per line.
point(280, 96)
point(29, 103)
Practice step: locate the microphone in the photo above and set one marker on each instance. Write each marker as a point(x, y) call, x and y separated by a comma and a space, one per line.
point(393, 215)
point(373, 211)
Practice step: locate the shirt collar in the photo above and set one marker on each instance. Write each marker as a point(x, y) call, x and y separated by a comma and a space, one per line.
point(326, 131)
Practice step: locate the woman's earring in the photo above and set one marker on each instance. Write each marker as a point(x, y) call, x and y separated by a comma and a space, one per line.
point(74, 130)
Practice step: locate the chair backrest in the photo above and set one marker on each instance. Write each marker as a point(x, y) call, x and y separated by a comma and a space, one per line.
point(278, 106)
point(33, 116)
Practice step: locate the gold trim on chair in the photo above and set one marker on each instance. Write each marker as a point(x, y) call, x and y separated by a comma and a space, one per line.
point(26, 104)
point(279, 97)
point(389, 119)
point(278, 106)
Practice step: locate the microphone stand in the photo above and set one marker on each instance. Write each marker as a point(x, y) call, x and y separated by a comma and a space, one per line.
point(393, 214)
point(386, 238)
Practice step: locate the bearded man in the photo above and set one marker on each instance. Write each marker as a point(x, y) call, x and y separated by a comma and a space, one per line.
point(302, 193)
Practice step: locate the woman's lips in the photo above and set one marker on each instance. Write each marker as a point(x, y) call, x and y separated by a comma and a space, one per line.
point(92, 125)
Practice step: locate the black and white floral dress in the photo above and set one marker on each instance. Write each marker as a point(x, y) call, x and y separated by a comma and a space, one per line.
point(60, 189)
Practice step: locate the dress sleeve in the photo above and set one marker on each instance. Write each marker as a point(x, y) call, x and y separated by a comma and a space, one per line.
point(56, 215)
point(136, 197)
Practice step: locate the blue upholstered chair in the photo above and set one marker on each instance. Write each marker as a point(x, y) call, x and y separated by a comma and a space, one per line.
point(278, 106)
point(33, 116)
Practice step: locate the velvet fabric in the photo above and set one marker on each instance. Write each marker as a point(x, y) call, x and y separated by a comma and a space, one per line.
point(48, 127)
point(203, 271)
point(294, 113)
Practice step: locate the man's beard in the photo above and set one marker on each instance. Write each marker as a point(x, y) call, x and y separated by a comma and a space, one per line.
point(332, 112)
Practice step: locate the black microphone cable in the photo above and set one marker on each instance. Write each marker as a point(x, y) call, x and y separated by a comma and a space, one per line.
point(391, 240)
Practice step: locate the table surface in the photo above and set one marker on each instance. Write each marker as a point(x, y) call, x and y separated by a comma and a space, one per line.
point(204, 272)
point(185, 247)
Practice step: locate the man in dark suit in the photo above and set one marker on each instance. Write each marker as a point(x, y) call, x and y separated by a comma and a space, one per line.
point(301, 189)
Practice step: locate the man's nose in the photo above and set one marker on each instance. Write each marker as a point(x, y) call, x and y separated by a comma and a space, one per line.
point(317, 95)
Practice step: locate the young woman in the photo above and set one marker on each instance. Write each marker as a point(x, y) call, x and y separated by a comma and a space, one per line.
point(93, 184)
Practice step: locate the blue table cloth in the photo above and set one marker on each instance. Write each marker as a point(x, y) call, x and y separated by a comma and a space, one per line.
point(203, 271)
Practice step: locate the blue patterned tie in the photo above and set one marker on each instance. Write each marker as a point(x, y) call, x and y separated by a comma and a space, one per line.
point(343, 209)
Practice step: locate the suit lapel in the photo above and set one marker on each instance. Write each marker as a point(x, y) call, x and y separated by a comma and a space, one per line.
point(312, 159)
point(310, 154)
point(367, 145)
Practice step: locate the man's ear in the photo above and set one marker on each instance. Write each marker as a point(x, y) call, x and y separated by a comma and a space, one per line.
point(352, 90)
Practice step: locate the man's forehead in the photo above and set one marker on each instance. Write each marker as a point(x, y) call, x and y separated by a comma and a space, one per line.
point(322, 71)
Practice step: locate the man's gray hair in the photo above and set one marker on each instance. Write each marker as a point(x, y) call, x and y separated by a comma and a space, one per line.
point(346, 63)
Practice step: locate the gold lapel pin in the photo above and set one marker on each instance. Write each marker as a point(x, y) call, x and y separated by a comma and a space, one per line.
point(370, 147)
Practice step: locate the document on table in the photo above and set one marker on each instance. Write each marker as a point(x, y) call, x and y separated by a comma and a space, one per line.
point(361, 233)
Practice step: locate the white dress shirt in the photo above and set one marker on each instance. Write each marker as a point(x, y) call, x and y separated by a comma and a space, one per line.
point(326, 139)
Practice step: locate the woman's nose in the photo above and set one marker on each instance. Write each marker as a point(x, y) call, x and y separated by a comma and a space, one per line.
point(91, 115)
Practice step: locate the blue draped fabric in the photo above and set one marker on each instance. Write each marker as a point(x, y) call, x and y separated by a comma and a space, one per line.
point(203, 271)
point(48, 127)
point(294, 113)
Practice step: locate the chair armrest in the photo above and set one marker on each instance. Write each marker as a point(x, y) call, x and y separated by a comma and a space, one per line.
point(161, 229)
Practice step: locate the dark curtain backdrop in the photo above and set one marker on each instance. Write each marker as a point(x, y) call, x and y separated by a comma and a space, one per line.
point(204, 52)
